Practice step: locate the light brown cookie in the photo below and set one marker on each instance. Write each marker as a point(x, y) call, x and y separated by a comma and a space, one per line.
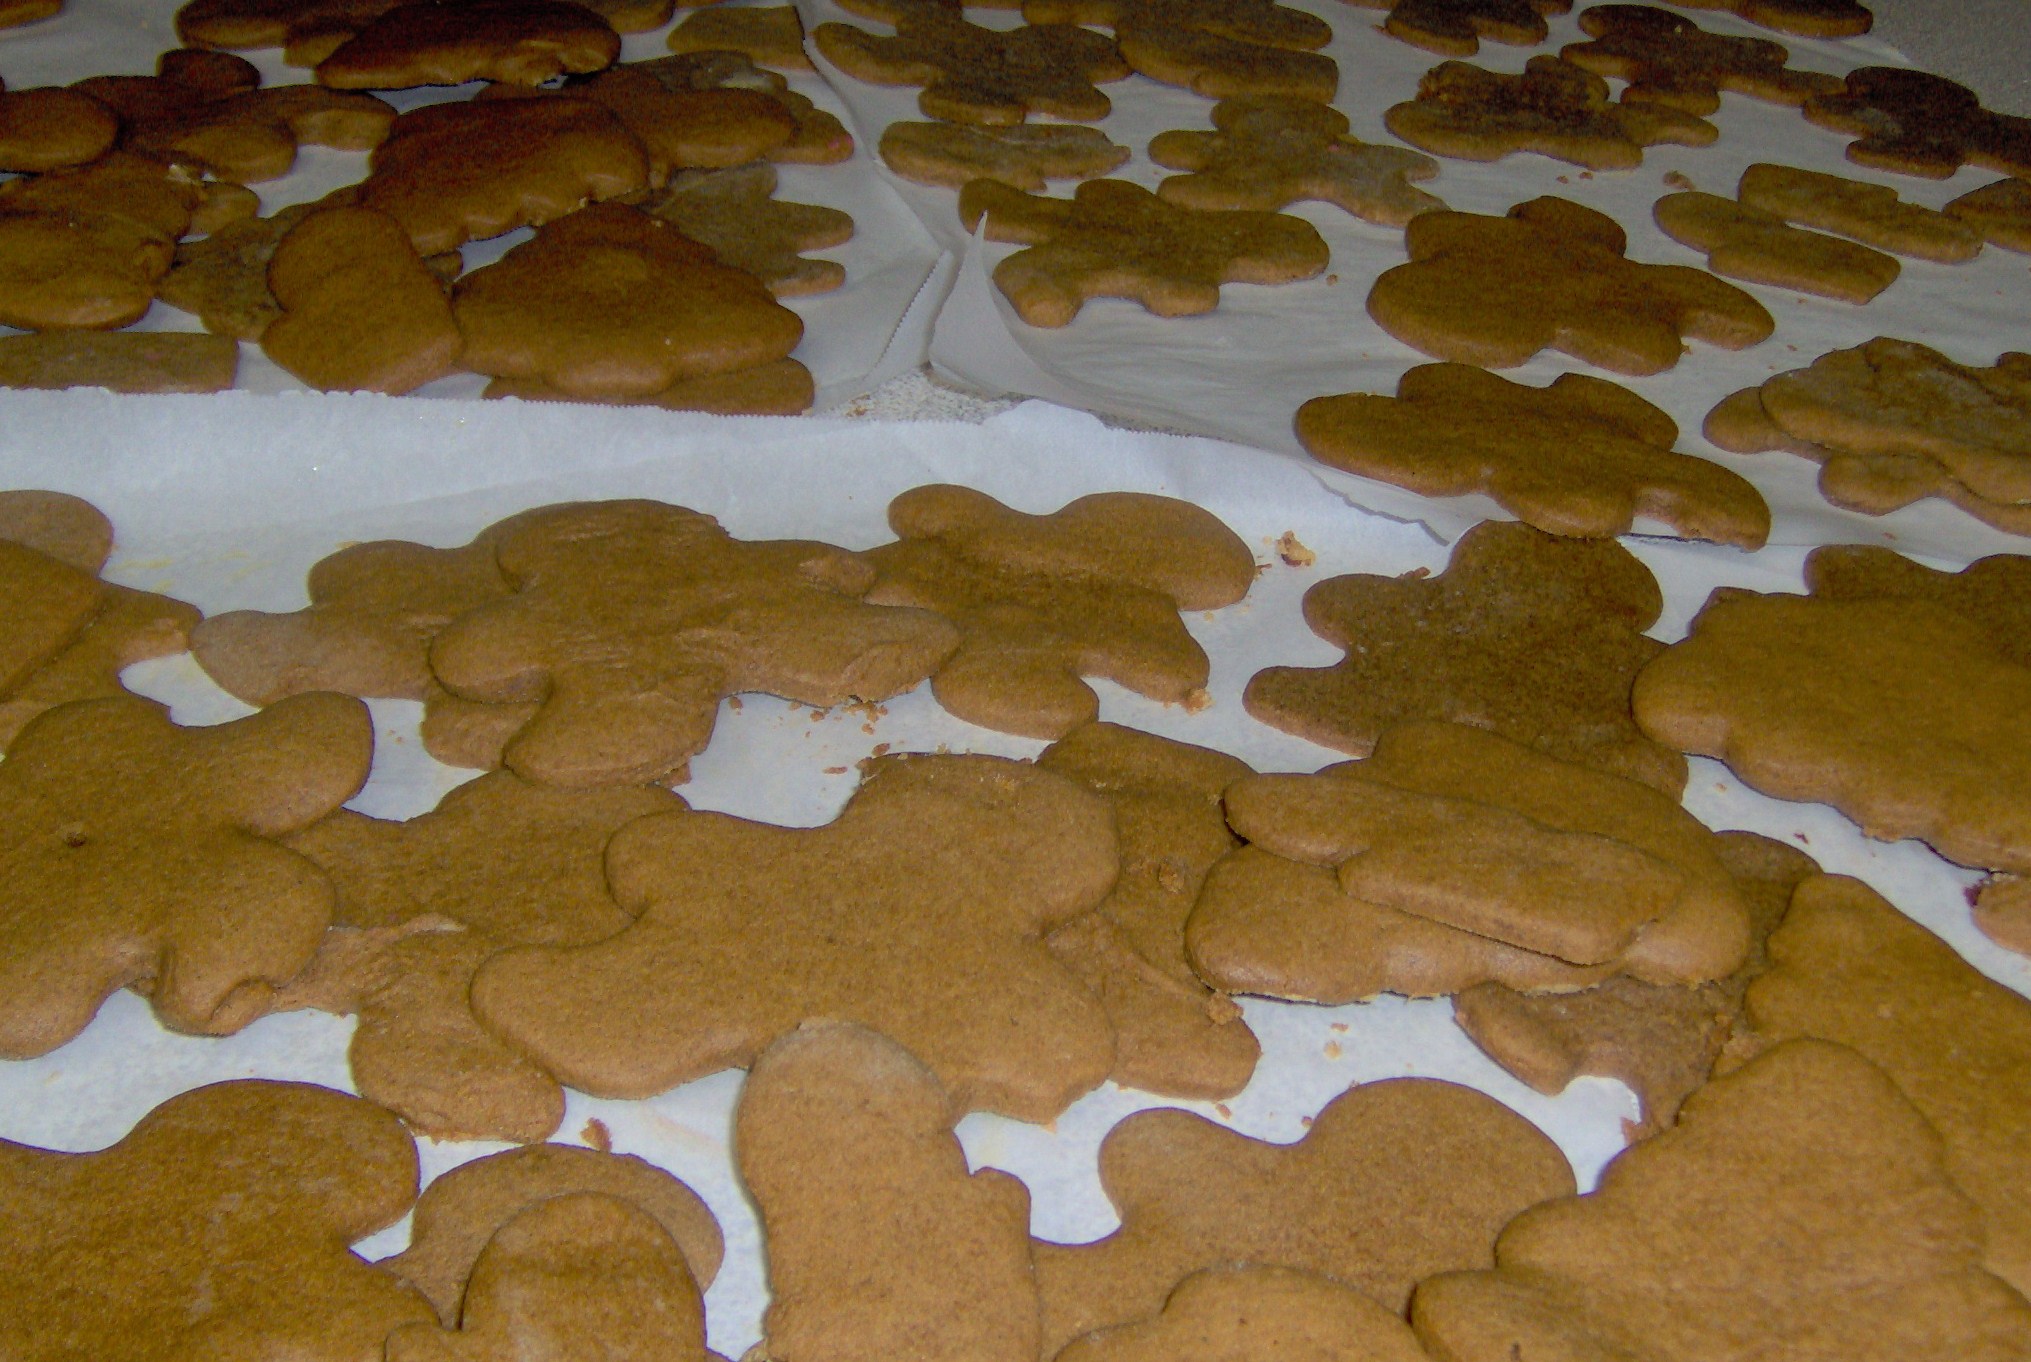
point(1994, 593)
point(1091, 589)
point(1274, 150)
point(1393, 1182)
point(359, 309)
point(1580, 457)
point(631, 619)
point(1113, 239)
point(522, 42)
point(1242, 1313)
point(1660, 1039)
point(736, 213)
point(124, 361)
point(1024, 156)
point(780, 388)
point(689, 128)
point(281, 1177)
point(1744, 242)
point(231, 915)
point(1551, 275)
point(1870, 213)
point(1806, 1170)
point(612, 302)
point(1215, 48)
point(44, 129)
point(1524, 634)
point(1668, 59)
point(453, 173)
point(461, 1211)
point(839, 1125)
point(2003, 912)
point(745, 929)
point(1553, 108)
point(819, 139)
point(1848, 967)
point(1917, 123)
point(1455, 28)
point(2001, 212)
point(573, 1274)
point(422, 904)
point(1804, 18)
point(972, 74)
point(1172, 1034)
point(82, 246)
point(66, 528)
point(222, 279)
point(772, 35)
point(131, 626)
point(48, 603)
point(1901, 714)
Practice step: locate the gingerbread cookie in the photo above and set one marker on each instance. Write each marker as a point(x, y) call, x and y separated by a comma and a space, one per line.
point(818, 139)
point(1668, 59)
point(631, 619)
point(1851, 703)
point(281, 1177)
point(780, 388)
point(122, 361)
point(1553, 108)
point(736, 213)
point(1113, 239)
point(1215, 48)
point(1808, 1158)
point(1917, 123)
point(453, 173)
point(17, 12)
point(231, 915)
point(521, 42)
point(1552, 275)
point(223, 278)
point(82, 246)
point(2003, 912)
point(294, 25)
point(772, 35)
point(1455, 28)
point(1394, 1181)
point(695, 128)
point(744, 929)
point(1582, 457)
point(1273, 150)
point(1745, 242)
point(1024, 156)
point(1846, 966)
point(45, 129)
point(461, 1211)
point(48, 603)
point(1172, 1035)
point(66, 528)
point(1660, 1039)
point(613, 302)
point(1993, 593)
point(423, 904)
point(840, 1125)
point(1242, 1313)
point(1802, 18)
point(1091, 589)
point(1870, 213)
point(1524, 634)
point(972, 74)
point(2001, 212)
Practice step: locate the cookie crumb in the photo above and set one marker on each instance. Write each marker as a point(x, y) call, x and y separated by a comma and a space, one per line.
point(1339, 1028)
point(1197, 700)
point(1678, 179)
point(597, 1136)
point(1333, 1050)
point(733, 702)
point(879, 749)
point(835, 770)
point(1226, 1112)
point(1292, 550)
point(1332, 278)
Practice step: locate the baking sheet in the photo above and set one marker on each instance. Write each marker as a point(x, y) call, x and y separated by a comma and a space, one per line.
point(226, 501)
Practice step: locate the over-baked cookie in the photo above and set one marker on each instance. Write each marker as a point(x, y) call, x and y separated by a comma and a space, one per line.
point(1551, 275)
point(280, 1177)
point(43, 129)
point(1553, 108)
point(972, 74)
point(1580, 457)
point(1113, 239)
point(1091, 589)
point(1668, 59)
point(744, 929)
point(631, 619)
point(840, 1126)
point(1215, 48)
point(1846, 966)
point(1870, 213)
point(1274, 150)
point(1533, 637)
point(1917, 123)
point(82, 246)
point(1806, 1170)
point(1024, 156)
point(1803, 18)
point(122, 361)
point(772, 35)
point(1455, 28)
point(1172, 1034)
point(1393, 1182)
point(1243, 1313)
point(779, 388)
point(2001, 212)
point(1745, 242)
point(736, 213)
point(524, 42)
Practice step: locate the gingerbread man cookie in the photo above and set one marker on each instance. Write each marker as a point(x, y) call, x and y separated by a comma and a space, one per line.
point(972, 74)
point(1553, 108)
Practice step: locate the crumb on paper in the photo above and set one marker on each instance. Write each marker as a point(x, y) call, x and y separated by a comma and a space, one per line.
point(1417, 574)
point(1678, 179)
point(1333, 1050)
point(836, 770)
point(1586, 174)
point(597, 1136)
point(1220, 1008)
point(1332, 279)
point(1293, 551)
point(1564, 180)
point(1339, 1028)
point(879, 749)
point(1803, 840)
point(733, 702)
point(1197, 701)
point(1305, 1121)
point(1226, 1112)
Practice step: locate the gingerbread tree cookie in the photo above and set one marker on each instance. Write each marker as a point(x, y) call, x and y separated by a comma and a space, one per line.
point(1552, 275)
point(226, 915)
point(1553, 108)
point(1809, 1172)
point(1113, 239)
point(1272, 150)
point(1580, 457)
point(736, 213)
point(1669, 59)
point(972, 74)
point(631, 619)
point(1091, 589)
point(1921, 124)
point(1455, 28)
point(279, 1177)
point(1215, 48)
point(1393, 1182)
point(840, 1126)
point(745, 929)
point(1530, 636)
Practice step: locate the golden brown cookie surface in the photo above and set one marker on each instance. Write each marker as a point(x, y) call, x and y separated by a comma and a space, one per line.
point(1254, 1314)
point(736, 213)
point(1741, 241)
point(1870, 213)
